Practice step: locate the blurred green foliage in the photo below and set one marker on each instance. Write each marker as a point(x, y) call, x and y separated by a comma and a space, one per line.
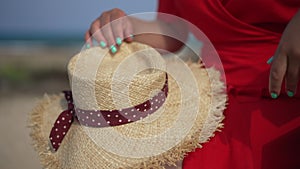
point(14, 73)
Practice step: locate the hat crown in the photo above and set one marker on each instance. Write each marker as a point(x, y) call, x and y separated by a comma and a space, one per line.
point(102, 81)
point(163, 137)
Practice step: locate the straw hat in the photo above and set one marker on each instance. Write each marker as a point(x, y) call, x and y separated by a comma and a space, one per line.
point(130, 110)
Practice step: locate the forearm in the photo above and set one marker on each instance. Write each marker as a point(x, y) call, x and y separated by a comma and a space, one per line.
point(159, 34)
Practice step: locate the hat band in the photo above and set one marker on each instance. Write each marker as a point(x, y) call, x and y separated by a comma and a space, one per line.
point(103, 118)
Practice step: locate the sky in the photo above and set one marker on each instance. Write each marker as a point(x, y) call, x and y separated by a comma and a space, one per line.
point(56, 17)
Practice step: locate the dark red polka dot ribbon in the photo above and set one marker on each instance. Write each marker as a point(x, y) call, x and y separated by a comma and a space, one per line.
point(103, 118)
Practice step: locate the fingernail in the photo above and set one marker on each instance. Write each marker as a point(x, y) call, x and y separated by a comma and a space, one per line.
point(131, 36)
point(290, 94)
point(274, 95)
point(270, 60)
point(119, 41)
point(102, 44)
point(113, 49)
point(88, 46)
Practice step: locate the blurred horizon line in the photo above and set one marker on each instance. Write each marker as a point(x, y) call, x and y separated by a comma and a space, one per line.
point(41, 35)
point(52, 39)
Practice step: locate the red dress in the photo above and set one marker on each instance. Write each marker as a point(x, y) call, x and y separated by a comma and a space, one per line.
point(259, 132)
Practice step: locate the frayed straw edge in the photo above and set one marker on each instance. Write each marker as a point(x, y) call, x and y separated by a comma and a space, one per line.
point(40, 143)
point(49, 160)
point(171, 157)
point(218, 105)
point(211, 125)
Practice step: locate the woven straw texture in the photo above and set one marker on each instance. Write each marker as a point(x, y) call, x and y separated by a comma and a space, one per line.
point(161, 139)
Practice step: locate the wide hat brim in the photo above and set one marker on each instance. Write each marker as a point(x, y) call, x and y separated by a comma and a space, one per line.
point(79, 150)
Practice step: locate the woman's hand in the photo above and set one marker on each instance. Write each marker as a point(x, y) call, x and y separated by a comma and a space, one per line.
point(114, 26)
point(286, 63)
point(110, 29)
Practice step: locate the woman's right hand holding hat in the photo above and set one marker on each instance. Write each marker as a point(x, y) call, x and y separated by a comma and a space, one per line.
point(110, 29)
point(114, 26)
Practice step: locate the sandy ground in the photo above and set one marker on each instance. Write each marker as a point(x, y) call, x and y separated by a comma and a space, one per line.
point(17, 98)
point(16, 150)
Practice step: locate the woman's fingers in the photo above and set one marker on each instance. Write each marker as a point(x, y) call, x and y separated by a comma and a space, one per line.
point(88, 39)
point(284, 65)
point(110, 29)
point(277, 73)
point(292, 79)
point(287, 60)
point(107, 31)
point(97, 34)
point(292, 75)
point(117, 25)
point(128, 30)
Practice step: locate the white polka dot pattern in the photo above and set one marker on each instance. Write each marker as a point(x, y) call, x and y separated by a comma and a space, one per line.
point(103, 118)
point(62, 124)
point(106, 118)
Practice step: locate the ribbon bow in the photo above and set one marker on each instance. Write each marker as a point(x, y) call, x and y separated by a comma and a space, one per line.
point(62, 123)
point(103, 118)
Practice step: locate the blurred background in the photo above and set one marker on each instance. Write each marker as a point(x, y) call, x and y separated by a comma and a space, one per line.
point(37, 38)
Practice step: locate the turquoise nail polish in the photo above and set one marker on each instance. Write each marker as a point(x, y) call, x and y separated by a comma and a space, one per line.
point(103, 44)
point(88, 46)
point(119, 41)
point(290, 94)
point(113, 49)
point(274, 95)
point(270, 60)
